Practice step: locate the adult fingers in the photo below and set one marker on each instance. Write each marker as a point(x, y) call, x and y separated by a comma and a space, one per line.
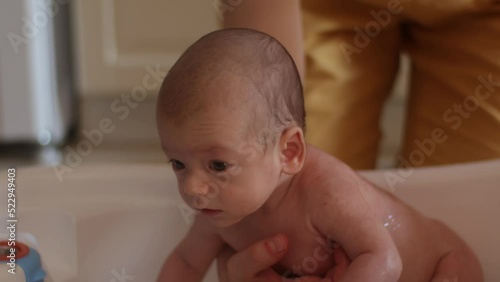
point(247, 264)
point(222, 260)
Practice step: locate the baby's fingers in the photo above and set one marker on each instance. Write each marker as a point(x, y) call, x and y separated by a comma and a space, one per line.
point(341, 264)
point(310, 279)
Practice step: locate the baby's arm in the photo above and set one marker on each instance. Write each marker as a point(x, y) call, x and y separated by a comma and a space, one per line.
point(348, 220)
point(191, 259)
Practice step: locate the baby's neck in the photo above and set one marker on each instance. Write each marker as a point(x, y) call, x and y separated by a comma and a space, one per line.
point(287, 183)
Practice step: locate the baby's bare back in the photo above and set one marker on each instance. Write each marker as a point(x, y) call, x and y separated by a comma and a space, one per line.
point(422, 242)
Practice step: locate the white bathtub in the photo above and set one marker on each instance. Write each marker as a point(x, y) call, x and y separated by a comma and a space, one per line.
point(118, 222)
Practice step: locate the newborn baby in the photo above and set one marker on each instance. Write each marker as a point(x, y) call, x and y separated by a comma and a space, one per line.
point(231, 121)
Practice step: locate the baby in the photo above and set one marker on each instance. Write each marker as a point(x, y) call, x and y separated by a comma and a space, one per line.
point(231, 121)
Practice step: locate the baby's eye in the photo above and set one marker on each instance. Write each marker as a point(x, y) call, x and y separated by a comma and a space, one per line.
point(219, 166)
point(177, 165)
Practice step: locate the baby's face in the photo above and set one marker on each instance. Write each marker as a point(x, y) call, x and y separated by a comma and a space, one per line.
point(219, 173)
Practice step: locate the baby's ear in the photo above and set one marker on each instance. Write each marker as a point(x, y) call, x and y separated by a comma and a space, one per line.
point(292, 150)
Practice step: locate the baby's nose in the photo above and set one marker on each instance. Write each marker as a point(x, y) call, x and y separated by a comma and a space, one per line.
point(196, 187)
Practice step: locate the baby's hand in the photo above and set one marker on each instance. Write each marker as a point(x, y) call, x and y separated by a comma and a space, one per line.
point(341, 264)
point(334, 274)
point(254, 263)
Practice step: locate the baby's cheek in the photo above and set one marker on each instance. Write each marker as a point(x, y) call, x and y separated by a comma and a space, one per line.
point(237, 198)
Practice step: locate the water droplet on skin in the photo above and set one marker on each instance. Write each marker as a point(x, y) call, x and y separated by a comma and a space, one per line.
point(391, 221)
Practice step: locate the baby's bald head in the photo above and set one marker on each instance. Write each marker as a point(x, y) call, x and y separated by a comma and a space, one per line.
point(251, 71)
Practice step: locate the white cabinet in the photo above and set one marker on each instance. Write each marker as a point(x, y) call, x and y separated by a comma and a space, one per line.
point(116, 40)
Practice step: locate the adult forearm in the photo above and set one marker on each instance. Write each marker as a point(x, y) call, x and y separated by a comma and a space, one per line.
point(280, 18)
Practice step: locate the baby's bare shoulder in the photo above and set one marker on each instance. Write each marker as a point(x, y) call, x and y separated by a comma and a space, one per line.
point(323, 175)
point(329, 184)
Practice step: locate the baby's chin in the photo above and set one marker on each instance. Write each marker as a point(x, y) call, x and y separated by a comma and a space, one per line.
point(225, 221)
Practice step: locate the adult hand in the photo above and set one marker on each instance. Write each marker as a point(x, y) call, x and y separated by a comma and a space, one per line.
point(254, 263)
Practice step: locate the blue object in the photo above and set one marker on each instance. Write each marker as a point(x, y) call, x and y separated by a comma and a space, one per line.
point(32, 266)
